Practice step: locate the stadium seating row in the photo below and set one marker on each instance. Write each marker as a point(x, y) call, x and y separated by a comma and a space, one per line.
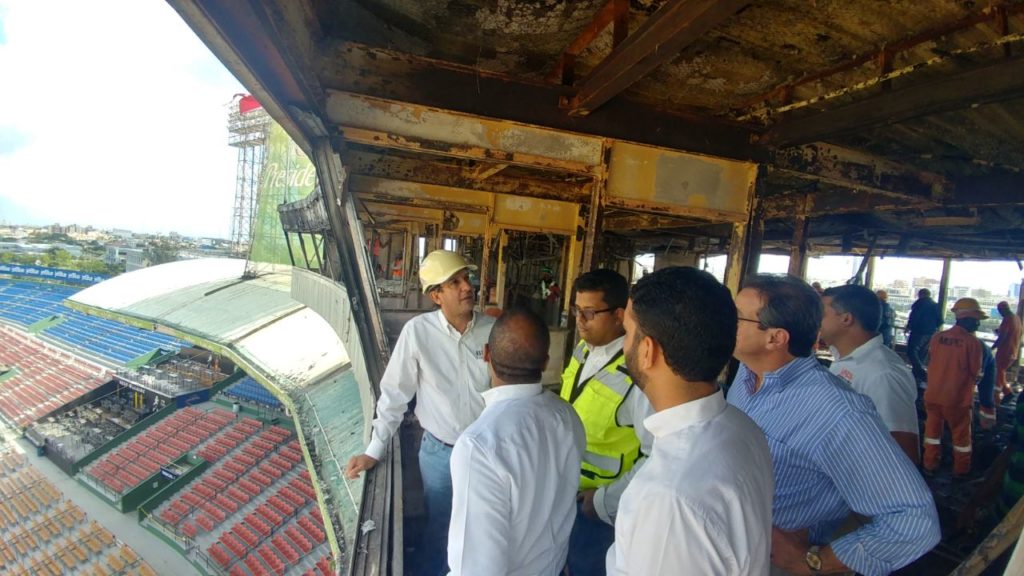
point(131, 464)
point(47, 378)
point(26, 303)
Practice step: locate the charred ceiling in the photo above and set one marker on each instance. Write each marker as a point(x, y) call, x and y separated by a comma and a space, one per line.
point(872, 118)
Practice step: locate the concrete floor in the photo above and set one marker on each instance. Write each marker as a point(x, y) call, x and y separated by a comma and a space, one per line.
point(125, 527)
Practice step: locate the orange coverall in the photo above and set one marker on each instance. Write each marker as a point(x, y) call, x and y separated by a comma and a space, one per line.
point(953, 372)
point(1006, 352)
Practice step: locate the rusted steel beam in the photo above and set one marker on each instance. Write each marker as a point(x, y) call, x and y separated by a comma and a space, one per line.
point(620, 28)
point(456, 175)
point(485, 171)
point(631, 222)
point(595, 216)
point(403, 77)
point(612, 12)
point(676, 25)
point(833, 203)
point(665, 209)
point(798, 248)
point(993, 83)
point(434, 147)
point(990, 15)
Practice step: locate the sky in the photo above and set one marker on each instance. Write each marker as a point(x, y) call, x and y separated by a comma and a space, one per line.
point(113, 114)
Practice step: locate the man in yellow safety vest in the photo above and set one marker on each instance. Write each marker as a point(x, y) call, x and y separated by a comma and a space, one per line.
point(601, 390)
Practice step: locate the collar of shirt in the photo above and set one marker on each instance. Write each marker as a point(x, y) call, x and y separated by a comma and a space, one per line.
point(447, 326)
point(510, 392)
point(676, 418)
point(777, 380)
point(608, 350)
point(861, 350)
point(598, 356)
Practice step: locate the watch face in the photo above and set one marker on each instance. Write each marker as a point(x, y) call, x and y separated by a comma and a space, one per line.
point(813, 560)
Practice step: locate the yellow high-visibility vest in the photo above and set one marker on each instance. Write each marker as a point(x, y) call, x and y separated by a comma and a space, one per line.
point(612, 449)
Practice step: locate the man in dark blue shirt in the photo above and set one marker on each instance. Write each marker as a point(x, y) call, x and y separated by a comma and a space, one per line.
point(925, 319)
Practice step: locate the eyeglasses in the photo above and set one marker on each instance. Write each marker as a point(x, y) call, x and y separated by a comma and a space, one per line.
point(587, 314)
point(758, 322)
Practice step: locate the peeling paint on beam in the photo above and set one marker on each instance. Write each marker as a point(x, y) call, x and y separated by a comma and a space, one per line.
point(413, 127)
point(443, 148)
point(449, 174)
point(660, 181)
point(858, 170)
point(357, 68)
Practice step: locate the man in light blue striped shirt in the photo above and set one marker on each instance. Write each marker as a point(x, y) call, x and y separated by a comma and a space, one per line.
point(831, 453)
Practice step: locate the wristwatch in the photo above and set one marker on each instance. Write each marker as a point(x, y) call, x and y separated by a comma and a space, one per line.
point(813, 559)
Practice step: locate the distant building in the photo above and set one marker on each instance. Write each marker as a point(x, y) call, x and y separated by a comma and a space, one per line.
point(134, 259)
point(1014, 291)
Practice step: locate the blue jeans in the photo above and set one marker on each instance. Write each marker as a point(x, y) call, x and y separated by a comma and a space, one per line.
point(435, 469)
point(588, 545)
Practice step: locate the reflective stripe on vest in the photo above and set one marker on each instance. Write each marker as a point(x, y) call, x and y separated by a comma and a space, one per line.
point(612, 449)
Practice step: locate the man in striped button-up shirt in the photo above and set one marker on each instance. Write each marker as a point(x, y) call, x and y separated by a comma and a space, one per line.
point(831, 453)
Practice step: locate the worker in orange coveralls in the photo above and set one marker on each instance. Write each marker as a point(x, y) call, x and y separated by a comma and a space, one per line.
point(1007, 347)
point(954, 370)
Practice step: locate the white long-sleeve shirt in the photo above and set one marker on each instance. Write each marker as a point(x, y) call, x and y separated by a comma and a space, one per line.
point(514, 477)
point(445, 369)
point(632, 412)
point(702, 504)
point(877, 372)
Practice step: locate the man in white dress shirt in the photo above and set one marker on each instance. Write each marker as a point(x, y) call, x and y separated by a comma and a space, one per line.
point(702, 503)
point(438, 358)
point(514, 470)
point(850, 326)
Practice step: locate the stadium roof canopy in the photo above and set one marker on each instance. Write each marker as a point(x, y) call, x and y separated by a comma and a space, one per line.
point(284, 344)
point(210, 303)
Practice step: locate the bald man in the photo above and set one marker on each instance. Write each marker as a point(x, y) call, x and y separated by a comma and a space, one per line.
point(515, 470)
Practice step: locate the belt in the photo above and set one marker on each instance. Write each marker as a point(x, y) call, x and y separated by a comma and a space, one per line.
point(438, 439)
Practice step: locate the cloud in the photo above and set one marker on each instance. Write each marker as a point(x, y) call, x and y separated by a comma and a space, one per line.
point(121, 123)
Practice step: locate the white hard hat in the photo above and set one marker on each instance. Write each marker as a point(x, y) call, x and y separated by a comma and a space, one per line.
point(439, 266)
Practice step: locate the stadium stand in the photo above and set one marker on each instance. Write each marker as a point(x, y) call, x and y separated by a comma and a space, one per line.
point(41, 533)
point(46, 380)
point(25, 303)
point(254, 511)
point(131, 464)
point(252, 391)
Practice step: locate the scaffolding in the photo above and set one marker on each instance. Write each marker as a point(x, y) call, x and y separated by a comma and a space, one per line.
point(248, 124)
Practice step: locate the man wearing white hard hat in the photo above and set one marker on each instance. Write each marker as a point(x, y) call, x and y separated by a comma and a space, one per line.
point(953, 372)
point(439, 359)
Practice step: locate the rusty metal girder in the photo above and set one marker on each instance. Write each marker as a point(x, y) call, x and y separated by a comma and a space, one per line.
point(428, 202)
point(860, 171)
point(457, 174)
point(673, 183)
point(353, 67)
point(405, 126)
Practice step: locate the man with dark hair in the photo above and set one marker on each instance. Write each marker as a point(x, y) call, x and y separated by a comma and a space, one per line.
point(956, 367)
point(832, 453)
point(702, 502)
point(925, 318)
point(1007, 347)
point(871, 367)
point(439, 359)
point(599, 387)
point(514, 470)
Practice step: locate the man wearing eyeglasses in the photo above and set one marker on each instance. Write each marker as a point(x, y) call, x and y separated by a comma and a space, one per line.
point(601, 390)
point(832, 454)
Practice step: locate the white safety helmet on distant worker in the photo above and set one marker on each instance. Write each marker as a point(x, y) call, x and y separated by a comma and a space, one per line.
point(439, 266)
point(968, 308)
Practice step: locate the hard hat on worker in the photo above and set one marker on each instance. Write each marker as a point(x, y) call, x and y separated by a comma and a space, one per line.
point(439, 266)
point(968, 308)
